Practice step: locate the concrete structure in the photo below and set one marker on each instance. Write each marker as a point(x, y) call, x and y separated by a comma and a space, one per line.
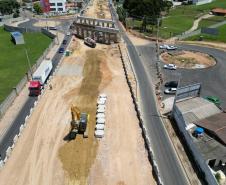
point(101, 30)
point(17, 37)
point(53, 5)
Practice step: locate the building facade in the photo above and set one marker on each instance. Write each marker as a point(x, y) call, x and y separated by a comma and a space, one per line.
point(53, 5)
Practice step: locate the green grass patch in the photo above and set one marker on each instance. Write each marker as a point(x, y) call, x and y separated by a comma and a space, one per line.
point(13, 61)
point(221, 37)
point(211, 21)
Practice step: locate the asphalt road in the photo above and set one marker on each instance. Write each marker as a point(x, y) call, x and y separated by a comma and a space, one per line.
point(170, 169)
point(212, 79)
point(7, 139)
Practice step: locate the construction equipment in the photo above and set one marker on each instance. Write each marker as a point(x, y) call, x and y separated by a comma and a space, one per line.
point(90, 42)
point(78, 123)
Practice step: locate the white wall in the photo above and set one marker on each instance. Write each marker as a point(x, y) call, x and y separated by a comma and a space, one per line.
point(200, 2)
point(57, 5)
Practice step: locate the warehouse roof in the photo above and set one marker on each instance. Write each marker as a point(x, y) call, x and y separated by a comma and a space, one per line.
point(216, 124)
point(194, 109)
point(219, 10)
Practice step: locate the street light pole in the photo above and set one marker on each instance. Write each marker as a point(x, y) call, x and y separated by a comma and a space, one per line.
point(28, 61)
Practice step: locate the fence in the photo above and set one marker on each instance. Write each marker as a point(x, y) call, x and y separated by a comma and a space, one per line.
point(17, 89)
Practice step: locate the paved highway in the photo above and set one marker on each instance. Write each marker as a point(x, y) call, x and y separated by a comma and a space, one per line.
point(7, 139)
point(170, 169)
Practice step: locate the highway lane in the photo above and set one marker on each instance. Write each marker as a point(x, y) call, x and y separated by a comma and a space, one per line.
point(170, 169)
point(7, 139)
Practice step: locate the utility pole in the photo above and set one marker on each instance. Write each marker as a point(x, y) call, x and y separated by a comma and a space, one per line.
point(28, 61)
point(157, 39)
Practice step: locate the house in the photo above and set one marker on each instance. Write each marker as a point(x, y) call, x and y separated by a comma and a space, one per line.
point(219, 11)
point(53, 5)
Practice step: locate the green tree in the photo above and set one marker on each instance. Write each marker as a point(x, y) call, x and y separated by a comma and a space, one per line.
point(8, 7)
point(37, 8)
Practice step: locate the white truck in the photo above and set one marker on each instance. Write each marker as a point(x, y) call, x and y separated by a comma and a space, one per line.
point(39, 77)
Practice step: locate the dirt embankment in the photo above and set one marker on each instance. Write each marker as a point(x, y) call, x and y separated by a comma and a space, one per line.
point(188, 59)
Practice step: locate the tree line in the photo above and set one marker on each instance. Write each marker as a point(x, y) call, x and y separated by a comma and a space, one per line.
point(9, 7)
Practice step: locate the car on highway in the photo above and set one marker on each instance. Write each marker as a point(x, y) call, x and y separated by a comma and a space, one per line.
point(170, 47)
point(170, 66)
point(164, 46)
point(213, 99)
point(61, 50)
point(170, 91)
point(171, 84)
point(64, 42)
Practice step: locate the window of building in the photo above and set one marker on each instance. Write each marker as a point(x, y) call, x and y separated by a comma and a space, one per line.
point(60, 9)
point(52, 9)
point(52, 4)
point(59, 4)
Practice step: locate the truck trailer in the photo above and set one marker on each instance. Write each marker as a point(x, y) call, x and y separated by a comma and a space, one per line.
point(39, 77)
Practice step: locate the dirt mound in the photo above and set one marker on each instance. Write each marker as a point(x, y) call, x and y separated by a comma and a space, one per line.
point(188, 59)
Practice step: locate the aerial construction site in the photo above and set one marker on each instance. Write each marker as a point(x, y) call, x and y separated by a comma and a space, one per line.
point(45, 154)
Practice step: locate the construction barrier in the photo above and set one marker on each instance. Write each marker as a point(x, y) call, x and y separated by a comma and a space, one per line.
point(147, 140)
point(15, 139)
point(1, 164)
point(8, 151)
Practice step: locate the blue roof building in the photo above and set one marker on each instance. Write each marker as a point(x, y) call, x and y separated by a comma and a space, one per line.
point(17, 37)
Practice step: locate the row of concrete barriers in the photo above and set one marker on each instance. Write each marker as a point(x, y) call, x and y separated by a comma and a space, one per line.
point(147, 140)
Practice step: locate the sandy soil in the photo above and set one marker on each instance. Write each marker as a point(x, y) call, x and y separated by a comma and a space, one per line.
point(46, 23)
point(121, 157)
point(188, 59)
point(44, 155)
point(99, 9)
point(138, 41)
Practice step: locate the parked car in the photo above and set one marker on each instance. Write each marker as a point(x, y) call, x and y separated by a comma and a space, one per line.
point(168, 47)
point(164, 46)
point(213, 99)
point(170, 66)
point(61, 50)
point(52, 28)
point(170, 91)
point(171, 84)
point(64, 42)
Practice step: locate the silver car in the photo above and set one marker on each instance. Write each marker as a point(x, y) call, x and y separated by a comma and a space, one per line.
point(170, 91)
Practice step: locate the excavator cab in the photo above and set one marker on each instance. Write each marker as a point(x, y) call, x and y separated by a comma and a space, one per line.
point(78, 123)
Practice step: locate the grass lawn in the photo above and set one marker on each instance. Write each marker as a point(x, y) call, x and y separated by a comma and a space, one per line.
point(220, 38)
point(181, 18)
point(13, 61)
point(210, 21)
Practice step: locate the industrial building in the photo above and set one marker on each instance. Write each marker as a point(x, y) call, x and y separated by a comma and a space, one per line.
point(17, 37)
point(203, 127)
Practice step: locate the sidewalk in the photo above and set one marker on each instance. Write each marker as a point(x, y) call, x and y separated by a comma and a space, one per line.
point(21, 99)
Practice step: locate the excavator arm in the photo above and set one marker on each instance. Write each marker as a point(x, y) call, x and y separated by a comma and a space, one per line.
point(75, 112)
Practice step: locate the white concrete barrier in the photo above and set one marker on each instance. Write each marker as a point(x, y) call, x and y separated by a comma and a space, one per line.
point(1, 164)
point(160, 181)
point(8, 151)
point(21, 128)
point(26, 118)
point(31, 110)
point(35, 103)
point(15, 139)
point(6, 159)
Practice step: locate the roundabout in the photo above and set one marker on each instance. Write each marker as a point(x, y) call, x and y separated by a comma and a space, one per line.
point(188, 59)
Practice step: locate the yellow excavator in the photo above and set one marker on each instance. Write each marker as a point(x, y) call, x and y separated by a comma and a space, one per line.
point(79, 122)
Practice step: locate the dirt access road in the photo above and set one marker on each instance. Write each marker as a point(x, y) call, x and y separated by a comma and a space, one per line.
point(45, 156)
